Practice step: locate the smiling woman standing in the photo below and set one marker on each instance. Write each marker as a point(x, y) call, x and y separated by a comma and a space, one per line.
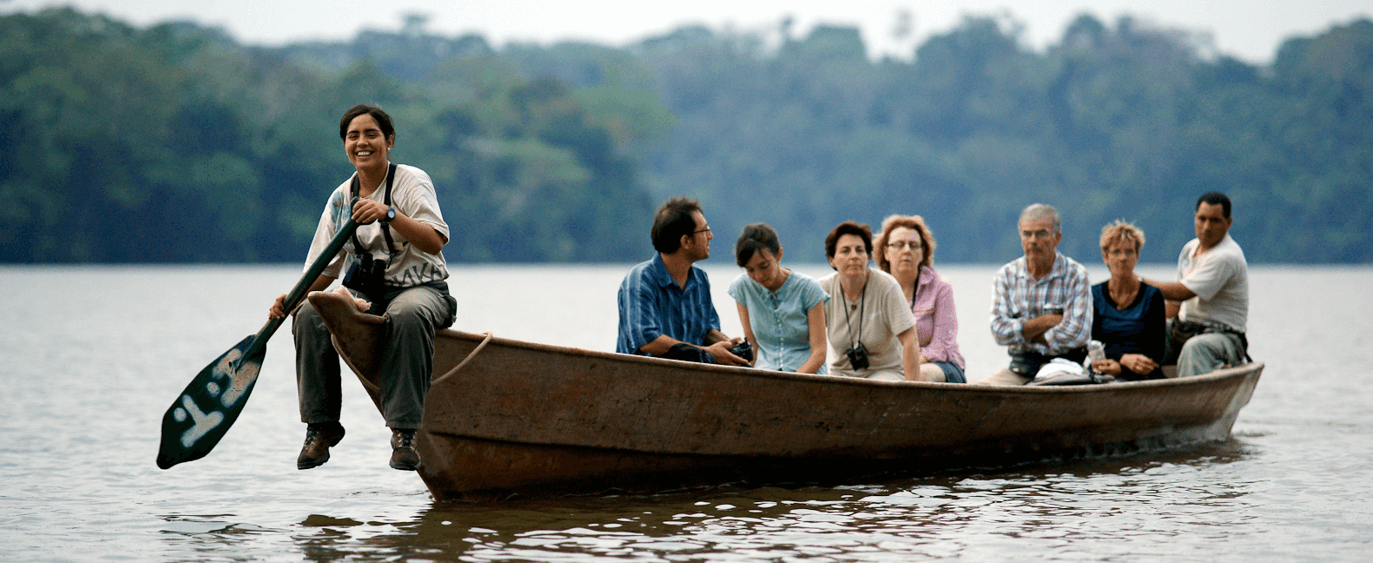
point(395, 262)
point(780, 309)
point(870, 327)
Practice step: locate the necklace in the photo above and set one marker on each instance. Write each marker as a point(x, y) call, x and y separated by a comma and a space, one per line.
point(1122, 298)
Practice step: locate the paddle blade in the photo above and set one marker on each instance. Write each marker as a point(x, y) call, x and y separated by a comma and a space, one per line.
point(200, 416)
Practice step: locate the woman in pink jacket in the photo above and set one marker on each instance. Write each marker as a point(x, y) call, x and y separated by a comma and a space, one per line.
point(905, 249)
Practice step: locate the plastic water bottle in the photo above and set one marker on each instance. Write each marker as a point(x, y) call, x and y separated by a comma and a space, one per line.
point(1095, 351)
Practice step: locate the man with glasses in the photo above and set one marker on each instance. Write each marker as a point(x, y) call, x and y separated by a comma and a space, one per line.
point(1043, 308)
point(665, 305)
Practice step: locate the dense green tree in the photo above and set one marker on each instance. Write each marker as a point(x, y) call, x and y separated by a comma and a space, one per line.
point(175, 143)
point(1115, 121)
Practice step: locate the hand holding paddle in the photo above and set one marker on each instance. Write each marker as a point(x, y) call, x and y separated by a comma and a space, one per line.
point(210, 404)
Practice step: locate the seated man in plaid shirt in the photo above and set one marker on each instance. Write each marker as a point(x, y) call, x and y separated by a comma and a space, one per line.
point(1043, 306)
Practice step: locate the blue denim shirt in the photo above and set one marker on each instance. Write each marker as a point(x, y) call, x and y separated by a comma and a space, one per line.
point(779, 320)
point(652, 305)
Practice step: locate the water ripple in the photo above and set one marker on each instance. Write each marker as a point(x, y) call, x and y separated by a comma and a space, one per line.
point(83, 386)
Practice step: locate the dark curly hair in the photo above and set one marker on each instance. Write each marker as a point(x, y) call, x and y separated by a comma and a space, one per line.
point(758, 236)
point(673, 221)
point(383, 120)
point(848, 228)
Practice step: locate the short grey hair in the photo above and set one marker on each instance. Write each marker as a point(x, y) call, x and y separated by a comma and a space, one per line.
point(1042, 211)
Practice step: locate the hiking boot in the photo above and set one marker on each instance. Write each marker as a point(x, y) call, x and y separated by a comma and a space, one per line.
point(318, 439)
point(403, 454)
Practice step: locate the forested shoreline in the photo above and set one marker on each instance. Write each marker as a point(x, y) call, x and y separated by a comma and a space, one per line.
point(176, 144)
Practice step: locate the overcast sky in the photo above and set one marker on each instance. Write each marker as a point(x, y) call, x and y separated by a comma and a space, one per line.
point(1248, 29)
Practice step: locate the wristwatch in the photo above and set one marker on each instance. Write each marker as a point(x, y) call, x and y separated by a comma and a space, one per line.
point(390, 214)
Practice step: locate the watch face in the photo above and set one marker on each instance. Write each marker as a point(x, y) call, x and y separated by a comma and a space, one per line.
point(390, 213)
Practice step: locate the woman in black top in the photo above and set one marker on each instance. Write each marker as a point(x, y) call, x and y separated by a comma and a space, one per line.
point(1127, 315)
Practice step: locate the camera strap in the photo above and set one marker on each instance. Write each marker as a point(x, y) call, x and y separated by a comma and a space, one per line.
point(385, 227)
point(862, 301)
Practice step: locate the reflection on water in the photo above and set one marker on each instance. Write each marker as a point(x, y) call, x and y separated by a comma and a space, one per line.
point(1097, 502)
point(85, 376)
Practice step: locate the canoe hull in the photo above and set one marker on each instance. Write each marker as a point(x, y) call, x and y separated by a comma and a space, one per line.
point(526, 418)
point(478, 469)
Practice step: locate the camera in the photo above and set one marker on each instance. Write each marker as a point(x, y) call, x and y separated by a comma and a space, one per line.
point(367, 276)
point(858, 356)
point(743, 350)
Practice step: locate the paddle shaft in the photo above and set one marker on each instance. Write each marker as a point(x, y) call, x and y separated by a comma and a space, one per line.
point(214, 398)
point(297, 294)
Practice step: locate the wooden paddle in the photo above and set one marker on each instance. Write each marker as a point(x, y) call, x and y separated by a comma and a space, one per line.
point(203, 413)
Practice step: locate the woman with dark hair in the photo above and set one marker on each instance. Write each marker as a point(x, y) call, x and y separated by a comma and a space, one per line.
point(905, 249)
point(394, 262)
point(780, 309)
point(1127, 314)
point(870, 327)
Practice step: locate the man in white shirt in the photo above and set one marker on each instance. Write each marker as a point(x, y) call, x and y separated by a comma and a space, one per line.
point(1213, 287)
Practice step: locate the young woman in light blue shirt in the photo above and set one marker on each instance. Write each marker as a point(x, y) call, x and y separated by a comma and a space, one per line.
point(782, 311)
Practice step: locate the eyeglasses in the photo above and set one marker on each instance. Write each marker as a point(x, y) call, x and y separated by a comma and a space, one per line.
point(900, 244)
point(705, 230)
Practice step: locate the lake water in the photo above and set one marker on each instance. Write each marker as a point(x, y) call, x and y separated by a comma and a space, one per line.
point(92, 356)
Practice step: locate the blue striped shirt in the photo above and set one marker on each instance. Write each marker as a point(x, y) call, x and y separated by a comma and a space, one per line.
point(652, 305)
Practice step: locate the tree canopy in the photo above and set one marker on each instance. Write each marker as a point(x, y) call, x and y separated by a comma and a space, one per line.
point(1114, 121)
point(174, 143)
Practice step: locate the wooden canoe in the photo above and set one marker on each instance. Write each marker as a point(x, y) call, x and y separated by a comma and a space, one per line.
point(527, 418)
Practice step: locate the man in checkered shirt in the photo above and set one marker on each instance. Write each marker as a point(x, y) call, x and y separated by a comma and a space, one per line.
point(1043, 306)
